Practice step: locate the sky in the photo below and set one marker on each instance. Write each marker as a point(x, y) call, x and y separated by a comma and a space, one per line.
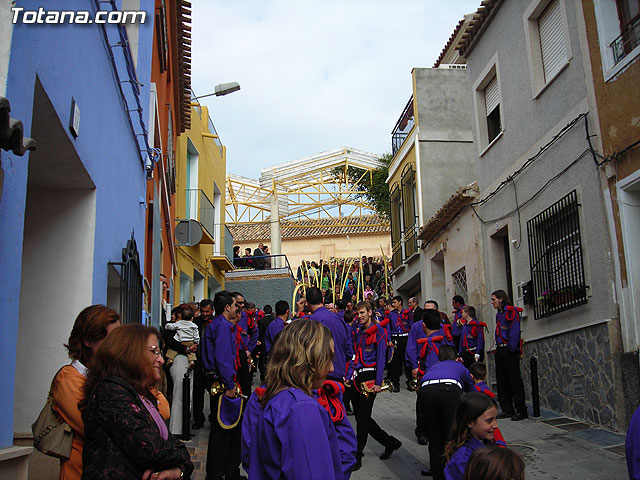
point(314, 76)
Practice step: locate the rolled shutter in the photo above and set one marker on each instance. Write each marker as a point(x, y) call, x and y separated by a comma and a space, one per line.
point(553, 44)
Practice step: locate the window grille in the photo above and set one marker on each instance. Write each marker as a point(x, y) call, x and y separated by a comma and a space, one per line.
point(460, 282)
point(130, 283)
point(408, 211)
point(396, 228)
point(555, 258)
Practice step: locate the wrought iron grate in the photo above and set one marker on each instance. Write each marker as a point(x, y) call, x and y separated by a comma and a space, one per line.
point(626, 41)
point(555, 258)
point(460, 282)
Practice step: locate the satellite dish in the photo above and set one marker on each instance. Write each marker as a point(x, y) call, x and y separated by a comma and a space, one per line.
point(188, 233)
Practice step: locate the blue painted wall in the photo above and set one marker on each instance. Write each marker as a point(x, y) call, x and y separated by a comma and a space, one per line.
point(71, 61)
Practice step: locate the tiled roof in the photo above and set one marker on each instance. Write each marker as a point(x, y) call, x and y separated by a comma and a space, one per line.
point(449, 42)
point(323, 227)
point(451, 208)
point(480, 19)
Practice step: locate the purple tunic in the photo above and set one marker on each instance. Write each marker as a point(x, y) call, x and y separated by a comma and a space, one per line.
point(342, 344)
point(400, 322)
point(249, 335)
point(274, 328)
point(454, 470)
point(470, 343)
point(372, 355)
point(456, 330)
point(632, 446)
point(508, 331)
point(291, 438)
point(219, 349)
point(449, 370)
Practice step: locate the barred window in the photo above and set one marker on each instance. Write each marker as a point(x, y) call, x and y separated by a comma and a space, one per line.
point(408, 211)
point(396, 228)
point(460, 282)
point(129, 285)
point(555, 258)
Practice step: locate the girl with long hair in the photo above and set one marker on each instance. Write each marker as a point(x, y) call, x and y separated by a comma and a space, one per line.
point(473, 427)
point(125, 436)
point(286, 431)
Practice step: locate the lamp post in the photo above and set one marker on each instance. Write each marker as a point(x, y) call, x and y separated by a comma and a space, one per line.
point(221, 90)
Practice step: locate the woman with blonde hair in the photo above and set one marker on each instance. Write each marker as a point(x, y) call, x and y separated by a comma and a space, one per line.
point(125, 436)
point(90, 328)
point(295, 427)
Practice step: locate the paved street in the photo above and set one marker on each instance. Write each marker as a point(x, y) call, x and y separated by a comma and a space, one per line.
point(553, 447)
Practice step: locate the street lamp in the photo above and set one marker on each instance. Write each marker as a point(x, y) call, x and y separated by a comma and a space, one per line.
point(221, 89)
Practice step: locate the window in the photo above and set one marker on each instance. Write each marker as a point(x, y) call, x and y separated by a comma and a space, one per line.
point(488, 106)
point(547, 35)
point(408, 211)
point(555, 256)
point(460, 282)
point(492, 108)
point(396, 227)
point(618, 23)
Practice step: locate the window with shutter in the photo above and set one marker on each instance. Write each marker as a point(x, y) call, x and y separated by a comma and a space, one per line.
point(553, 44)
point(492, 107)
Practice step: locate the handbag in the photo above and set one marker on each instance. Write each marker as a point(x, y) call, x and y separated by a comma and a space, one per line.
point(51, 435)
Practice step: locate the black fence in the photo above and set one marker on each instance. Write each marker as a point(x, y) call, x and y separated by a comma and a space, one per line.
point(130, 283)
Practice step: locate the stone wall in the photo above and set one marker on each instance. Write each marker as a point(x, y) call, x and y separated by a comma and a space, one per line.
point(575, 375)
point(264, 289)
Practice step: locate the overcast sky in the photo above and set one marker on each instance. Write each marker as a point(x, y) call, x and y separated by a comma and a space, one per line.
point(314, 75)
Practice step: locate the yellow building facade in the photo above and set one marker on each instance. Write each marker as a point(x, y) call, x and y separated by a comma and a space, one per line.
point(204, 246)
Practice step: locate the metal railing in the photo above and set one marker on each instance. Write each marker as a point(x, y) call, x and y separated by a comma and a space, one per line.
point(403, 126)
point(266, 263)
point(626, 41)
point(200, 208)
point(228, 246)
point(410, 240)
point(216, 139)
point(130, 284)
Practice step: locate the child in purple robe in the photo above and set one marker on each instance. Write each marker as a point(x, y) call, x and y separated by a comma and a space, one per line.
point(474, 427)
point(494, 463)
point(287, 433)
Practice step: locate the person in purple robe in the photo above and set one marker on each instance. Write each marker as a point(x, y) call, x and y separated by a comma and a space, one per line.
point(440, 388)
point(277, 325)
point(510, 386)
point(289, 431)
point(340, 331)
point(632, 446)
point(399, 325)
point(370, 357)
point(494, 463)
point(474, 427)
point(471, 347)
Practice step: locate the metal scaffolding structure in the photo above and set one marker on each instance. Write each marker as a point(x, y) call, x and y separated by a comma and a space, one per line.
point(308, 188)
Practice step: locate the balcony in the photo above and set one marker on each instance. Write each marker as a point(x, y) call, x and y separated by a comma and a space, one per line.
point(223, 260)
point(626, 41)
point(403, 127)
point(200, 208)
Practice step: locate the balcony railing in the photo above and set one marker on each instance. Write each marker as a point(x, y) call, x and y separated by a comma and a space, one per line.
point(403, 127)
point(200, 208)
point(216, 139)
point(626, 41)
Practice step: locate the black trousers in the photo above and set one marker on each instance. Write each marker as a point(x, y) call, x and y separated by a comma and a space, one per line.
point(398, 361)
point(420, 418)
point(365, 425)
point(244, 375)
point(510, 386)
point(200, 389)
point(223, 450)
point(469, 357)
point(438, 404)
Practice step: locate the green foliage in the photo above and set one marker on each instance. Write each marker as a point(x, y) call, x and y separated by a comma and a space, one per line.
point(375, 186)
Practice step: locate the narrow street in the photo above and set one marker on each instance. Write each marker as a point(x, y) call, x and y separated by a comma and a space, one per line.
point(553, 447)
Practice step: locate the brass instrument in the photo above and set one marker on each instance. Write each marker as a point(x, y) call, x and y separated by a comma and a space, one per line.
point(218, 388)
point(413, 385)
point(367, 388)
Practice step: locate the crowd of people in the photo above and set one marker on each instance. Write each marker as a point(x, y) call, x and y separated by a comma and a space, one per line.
point(317, 365)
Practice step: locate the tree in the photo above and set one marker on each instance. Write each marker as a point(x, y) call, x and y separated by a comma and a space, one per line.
point(374, 185)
